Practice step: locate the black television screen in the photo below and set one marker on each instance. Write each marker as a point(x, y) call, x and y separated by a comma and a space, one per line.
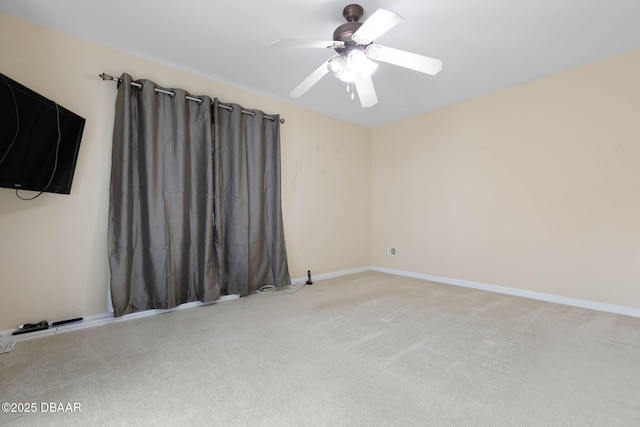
point(39, 140)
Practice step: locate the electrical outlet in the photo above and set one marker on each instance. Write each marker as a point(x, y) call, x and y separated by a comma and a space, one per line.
point(393, 251)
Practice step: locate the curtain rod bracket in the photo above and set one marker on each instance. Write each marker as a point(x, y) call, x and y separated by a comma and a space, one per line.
point(105, 76)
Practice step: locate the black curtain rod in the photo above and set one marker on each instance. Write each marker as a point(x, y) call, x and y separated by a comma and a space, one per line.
point(104, 76)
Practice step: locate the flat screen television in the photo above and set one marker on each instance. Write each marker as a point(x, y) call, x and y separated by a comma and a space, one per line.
point(39, 140)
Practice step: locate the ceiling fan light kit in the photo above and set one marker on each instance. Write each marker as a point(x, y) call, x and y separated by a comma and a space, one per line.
point(357, 53)
point(355, 66)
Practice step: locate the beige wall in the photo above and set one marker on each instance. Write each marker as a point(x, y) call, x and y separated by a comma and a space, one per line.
point(536, 187)
point(53, 258)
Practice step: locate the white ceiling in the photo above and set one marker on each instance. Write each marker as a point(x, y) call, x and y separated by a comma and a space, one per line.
point(484, 45)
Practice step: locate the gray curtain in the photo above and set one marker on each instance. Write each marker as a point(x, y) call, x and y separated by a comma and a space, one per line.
point(195, 208)
point(249, 237)
point(161, 200)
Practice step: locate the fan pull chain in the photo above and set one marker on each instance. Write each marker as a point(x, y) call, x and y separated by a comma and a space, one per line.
point(350, 89)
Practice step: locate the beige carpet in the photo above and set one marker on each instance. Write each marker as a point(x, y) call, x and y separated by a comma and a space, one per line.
point(366, 349)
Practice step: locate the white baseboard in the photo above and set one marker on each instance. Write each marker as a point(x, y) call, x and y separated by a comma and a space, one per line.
point(574, 302)
point(105, 318)
point(99, 320)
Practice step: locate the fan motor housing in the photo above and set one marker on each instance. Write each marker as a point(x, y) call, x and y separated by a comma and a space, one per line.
point(344, 32)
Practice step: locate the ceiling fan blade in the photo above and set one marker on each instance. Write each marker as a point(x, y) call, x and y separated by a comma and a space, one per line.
point(312, 79)
point(366, 92)
point(379, 23)
point(307, 43)
point(413, 61)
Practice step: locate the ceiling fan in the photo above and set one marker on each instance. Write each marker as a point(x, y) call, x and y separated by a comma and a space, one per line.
point(357, 53)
